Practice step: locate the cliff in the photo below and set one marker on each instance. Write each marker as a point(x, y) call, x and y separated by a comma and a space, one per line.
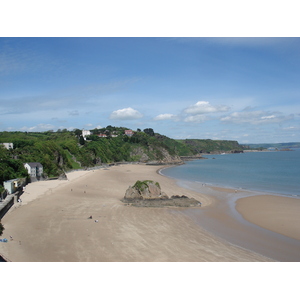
point(212, 146)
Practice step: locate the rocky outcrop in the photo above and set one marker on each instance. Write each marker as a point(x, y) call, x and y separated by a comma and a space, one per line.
point(145, 190)
point(166, 158)
point(62, 176)
point(139, 154)
point(148, 194)
point(154, 155)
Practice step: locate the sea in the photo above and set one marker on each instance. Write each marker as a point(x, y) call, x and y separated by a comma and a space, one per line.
point(276, 172)
point(255, 173)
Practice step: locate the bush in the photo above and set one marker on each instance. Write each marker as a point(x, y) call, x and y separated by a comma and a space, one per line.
point(142, 185)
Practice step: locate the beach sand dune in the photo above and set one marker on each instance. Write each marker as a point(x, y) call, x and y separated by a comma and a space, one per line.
point(54, 225)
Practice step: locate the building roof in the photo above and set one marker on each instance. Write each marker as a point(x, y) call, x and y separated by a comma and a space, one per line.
point(11, 180)
point(35, 164)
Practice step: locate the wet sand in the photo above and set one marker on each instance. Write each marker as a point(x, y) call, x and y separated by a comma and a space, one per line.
point(254, 225)
point(53, 224)
point(276, 213)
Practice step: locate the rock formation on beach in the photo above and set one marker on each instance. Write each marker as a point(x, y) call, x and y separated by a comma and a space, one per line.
point(148, 194)
point(145, 190)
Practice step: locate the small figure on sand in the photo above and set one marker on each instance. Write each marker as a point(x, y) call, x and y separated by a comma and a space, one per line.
point(90, 217)
point(96, 221)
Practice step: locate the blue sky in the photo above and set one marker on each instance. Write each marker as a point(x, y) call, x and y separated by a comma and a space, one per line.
point(244, 89)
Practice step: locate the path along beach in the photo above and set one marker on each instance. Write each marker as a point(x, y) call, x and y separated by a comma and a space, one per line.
point(52, 223)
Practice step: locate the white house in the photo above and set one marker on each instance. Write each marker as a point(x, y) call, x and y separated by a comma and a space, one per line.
point(12, 185)
point(8, 145)
point(34, 169)
point(85, 133)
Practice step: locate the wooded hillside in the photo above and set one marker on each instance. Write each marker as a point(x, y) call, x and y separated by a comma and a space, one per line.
point(65, 150)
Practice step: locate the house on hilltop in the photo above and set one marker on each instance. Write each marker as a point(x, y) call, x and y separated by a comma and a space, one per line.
point(85, 133)
point(129, 132)
point(35, 170)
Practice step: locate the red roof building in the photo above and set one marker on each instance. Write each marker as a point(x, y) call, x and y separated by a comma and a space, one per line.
point(129, 132)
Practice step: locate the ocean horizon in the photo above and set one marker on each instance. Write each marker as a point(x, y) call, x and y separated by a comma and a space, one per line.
point(275, 172)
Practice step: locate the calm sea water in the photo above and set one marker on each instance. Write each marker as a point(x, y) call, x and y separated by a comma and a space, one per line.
point(274, 172)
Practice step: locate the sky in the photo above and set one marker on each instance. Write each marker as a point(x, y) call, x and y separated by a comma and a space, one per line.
point(244, 89)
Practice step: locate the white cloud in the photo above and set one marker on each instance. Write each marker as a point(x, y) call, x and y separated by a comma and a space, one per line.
point(73, 113)
point(198, 112)
point(291, 128)
point(126, 114)
point(204, 107)
point(38, 128)
point(256, 117)
point(196, 119)
point(164, 117)
point(268, 117)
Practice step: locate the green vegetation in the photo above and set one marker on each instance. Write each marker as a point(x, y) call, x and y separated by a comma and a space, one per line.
point(64, 150)
point(142, 185)
point(208, 146)
point(10, 168)
point(178, 147)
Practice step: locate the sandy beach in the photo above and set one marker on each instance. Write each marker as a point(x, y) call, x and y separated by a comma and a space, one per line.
point(275, 213)
point(52, 224)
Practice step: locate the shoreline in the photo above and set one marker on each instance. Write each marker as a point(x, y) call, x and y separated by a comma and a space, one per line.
point(56, 226)
point(293, 191)
point(146, 234)
point(258, 232)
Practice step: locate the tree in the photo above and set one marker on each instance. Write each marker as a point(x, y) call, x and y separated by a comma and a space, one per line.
point(1, 229)
point(149, 131)
point(77, 132)
point(81, 140)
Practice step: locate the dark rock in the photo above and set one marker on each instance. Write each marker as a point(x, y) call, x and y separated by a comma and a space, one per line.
point(145, 190)
point(148, 194)
point(62, 176)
